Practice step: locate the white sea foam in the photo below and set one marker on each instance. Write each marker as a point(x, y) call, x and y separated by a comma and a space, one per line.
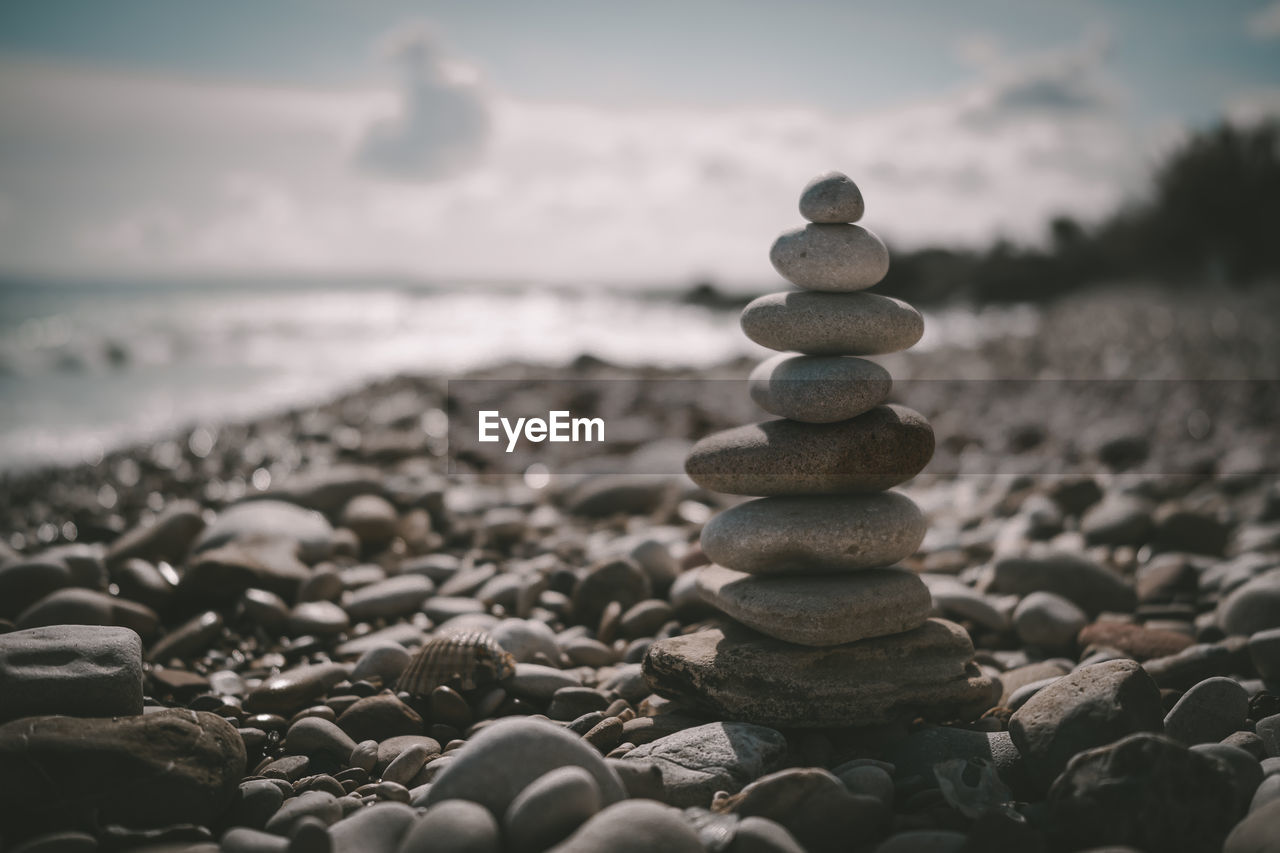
point(85, 369)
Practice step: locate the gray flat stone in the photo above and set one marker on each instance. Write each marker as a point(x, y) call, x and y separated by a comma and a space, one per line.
point(739, 674)
point(832, 323)
point(74, 670)
point(820, 610)
point(837, 257)
point(818, 389)
point(696, 763)
point(870, 453)
point(785, 535)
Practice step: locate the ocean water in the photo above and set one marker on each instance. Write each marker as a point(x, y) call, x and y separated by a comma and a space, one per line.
point(86, 368)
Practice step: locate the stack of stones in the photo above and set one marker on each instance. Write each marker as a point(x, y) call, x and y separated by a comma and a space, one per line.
point(823, 630)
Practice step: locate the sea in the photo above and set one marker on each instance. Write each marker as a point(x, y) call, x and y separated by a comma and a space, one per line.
point(89, 367)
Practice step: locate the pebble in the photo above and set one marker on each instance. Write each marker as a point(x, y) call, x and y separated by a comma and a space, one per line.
point(733, 672)
point(1196, 663)
point(376, 829)
point(832, 323)
point(24, 582)
point(868, 781)
point(313, 735)
point(401, 634)
point(814, 806)
point(1047, 620)
point(527, 749)
point(265, 609)
point(1075, 577)
point(645, 618)
point(539, 683)
point(1268, 730)
point(384, 663)
point(166, 539)
point(391, 748)
point(550, 808)
point(76, 606)
point(831, 198)
point(570, 703)
point(934, 841)
point(324, 584)
point(140, 581)
point(761, 835)
point(1253, 606)
point(697, 762)
point(320, 805)
point(1018, 677)
point(956, 600)
point(618, 580)
point(656, 560)
point(292, 689)
point(1259, 832)
point(915, 756)
point(446, 705)
point(1208, 712)
point(244, 840)
point(1146, 791)
point(388, 599)
point(1136, 641)
point(830, 257)
point(820, 610)
point(379, 717)
point(1268, 791)
point(75, 670)
point(1118, 519)
point(818, 389)
point(1244, 767)
point(780, 535)
point(170, 766)
point(1089, 707)
point(525, 639)
point(454, 826)
point(407, 764)
point(633, 826)
point(67, 841)
point(603, 496)
point(255, 802)
point(266, 518)
point(870, 453)
point(310, 835)
point(1264, 651)
point(371, 518)
point(321, 618)
point(217, 576)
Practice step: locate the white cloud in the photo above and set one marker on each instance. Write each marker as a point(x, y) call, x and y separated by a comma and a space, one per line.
point(1265, 23)
point(108, 173)
point(442, 122)
point(1254, 106)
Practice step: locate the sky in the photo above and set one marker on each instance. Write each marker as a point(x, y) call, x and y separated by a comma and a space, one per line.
point(580, 142)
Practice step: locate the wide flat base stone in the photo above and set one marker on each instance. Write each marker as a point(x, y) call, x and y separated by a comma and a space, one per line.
point(737, 674)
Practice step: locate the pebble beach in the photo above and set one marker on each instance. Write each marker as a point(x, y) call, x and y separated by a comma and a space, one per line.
point(316, 630)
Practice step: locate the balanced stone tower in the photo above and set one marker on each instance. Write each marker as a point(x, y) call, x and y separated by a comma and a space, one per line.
point(823, 630)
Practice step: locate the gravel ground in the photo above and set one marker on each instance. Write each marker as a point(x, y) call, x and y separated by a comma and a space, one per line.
point(1104, 514)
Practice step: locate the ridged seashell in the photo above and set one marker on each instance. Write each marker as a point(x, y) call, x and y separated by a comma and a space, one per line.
point(463, 661)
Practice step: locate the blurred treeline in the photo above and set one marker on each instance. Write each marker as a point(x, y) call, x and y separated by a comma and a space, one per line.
point(1212, 216)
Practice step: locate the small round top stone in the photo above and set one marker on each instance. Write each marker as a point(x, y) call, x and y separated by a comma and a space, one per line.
point(831, 199)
